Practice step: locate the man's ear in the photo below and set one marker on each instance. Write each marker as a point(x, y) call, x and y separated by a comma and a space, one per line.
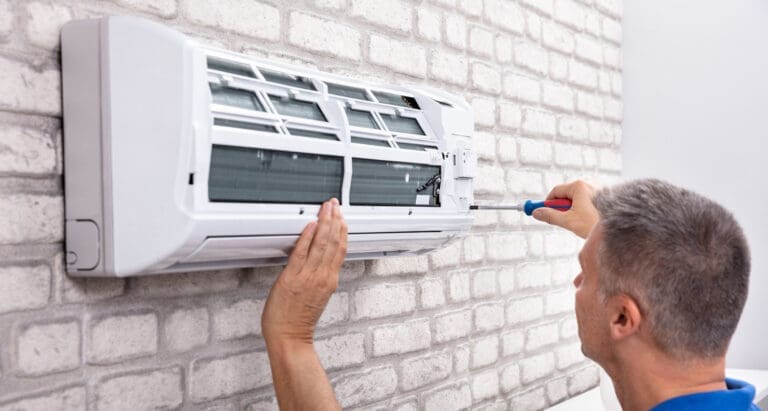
point(624, 316)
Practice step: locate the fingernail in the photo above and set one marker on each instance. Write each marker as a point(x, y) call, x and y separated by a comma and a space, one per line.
point(537, 214)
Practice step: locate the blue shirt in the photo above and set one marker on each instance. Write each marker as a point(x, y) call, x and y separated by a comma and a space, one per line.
point(737, 396)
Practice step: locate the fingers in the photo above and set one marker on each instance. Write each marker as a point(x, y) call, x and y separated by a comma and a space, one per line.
point(567, 190)
point(551, 216)
point(341, 251)
point(320, 242)
point(301, 250)
point(334, 239)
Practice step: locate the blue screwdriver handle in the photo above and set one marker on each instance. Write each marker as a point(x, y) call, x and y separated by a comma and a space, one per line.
point(561, 204)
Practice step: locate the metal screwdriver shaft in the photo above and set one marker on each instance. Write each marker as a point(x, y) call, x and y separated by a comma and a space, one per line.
point(562, 204)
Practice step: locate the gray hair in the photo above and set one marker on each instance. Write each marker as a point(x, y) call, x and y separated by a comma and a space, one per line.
point(682, 256)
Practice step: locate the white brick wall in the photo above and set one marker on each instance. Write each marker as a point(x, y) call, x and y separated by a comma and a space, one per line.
point(485, 323)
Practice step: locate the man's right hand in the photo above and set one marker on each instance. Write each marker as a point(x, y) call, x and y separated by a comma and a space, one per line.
point(581, 217)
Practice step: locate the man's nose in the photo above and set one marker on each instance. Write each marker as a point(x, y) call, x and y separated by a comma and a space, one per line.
point(577, 280)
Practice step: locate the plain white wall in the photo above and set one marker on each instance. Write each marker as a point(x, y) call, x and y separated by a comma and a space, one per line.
point(696, 114)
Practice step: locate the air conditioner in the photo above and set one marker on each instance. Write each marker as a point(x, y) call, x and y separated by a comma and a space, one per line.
point(182, 157)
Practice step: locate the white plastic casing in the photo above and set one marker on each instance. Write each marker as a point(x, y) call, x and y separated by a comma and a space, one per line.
point(138, 138)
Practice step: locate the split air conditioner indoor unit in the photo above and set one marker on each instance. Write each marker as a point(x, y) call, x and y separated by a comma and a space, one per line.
point(181, 157)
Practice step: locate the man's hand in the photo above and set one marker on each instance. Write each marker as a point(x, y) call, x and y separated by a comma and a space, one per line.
point(293, 308)
point(581, 217)
point(302, 290)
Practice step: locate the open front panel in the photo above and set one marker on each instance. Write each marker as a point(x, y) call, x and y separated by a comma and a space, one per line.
point(240, 174)
point(389, 183)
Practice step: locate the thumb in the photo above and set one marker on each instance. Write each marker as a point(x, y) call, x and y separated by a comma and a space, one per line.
point(550, 216)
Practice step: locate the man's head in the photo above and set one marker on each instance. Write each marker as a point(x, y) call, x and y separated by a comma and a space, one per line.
point(663, 265)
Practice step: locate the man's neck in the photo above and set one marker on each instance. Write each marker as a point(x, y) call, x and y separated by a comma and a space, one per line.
point(644, 381)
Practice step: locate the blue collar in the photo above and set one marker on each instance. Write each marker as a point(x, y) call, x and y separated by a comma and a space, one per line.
point(737, 396)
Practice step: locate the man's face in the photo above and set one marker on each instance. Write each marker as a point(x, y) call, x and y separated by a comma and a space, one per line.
point(590, 312)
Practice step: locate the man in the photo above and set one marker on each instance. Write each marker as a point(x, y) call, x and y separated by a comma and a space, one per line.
point(663, 283)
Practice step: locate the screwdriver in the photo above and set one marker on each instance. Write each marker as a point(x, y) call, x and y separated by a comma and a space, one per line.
point(562, 204)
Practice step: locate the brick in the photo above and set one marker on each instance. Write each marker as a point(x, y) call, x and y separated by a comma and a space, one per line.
point(592, 22)
point(572, 127)
point(557, 97)
point(534, 399)
point(533, 25)
point(461, 358)
point(403, 57)
point(558, 67)
point(557, 390)
point(29, 89)
point(564, 271)
point(568, 328)
point(510, 115)
point(48, 348)
point(481, 41)
point(509, 246)
point(503, 48)
point(262, 404)
point(44, 23)
point(485, 145)
point(452, 397)
point(489, 316)
point(383, 300)
point(507, 150)
point(366, 386)
point(611, 30)
point(452, 325)
point(534, 151)
point(331, 4)
point(613, 109)
point(525, 309)
point(401, 338)
point(610, 160)
point(458, 286)
point(6, 18)
point(164, 8)
point(431, 293)
point(570, 13)
point(512, 342)
point(484, 110)
point(456, 31)
point(589, 49)
point(611, 7)
point(559, 302)
point(420, 371)
point(537, 122)
point(589, 104)
point(541, 336)
point(489, 180)
point(583, 75)
point(62, 399)
point(506, 280)
point(471, 7)
point(616, 84)
point(324, 36)
point(523, 182)
point(76, 290)
point(173, 285)
point(116, 338)
point(590, 157)
point(600, 132)
point(534, 275)
point(212, 378)
point(568, 155)
point(446, 256)
point(336, 311)
point(485, 385)
point(560, 244)
point(399, 266)
point(27, 151)
point(537, 367)
point(239, 319)
point(486, 78)
point(557, 37)
point(242, 16)
point(583, 380)
point(158, 389)
point(351, 270)
point(341, 351)
point(28, 218)
point(522, 88)
point(485, 351)
point(505, 14)
point(544, 6)
point(510, 378)
point(569, 355)
point(484, 284)
point(24, 288)
point(394, 14)
point(429, 23)
point(186, 329)
point(531, 57)
point(604, 81)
